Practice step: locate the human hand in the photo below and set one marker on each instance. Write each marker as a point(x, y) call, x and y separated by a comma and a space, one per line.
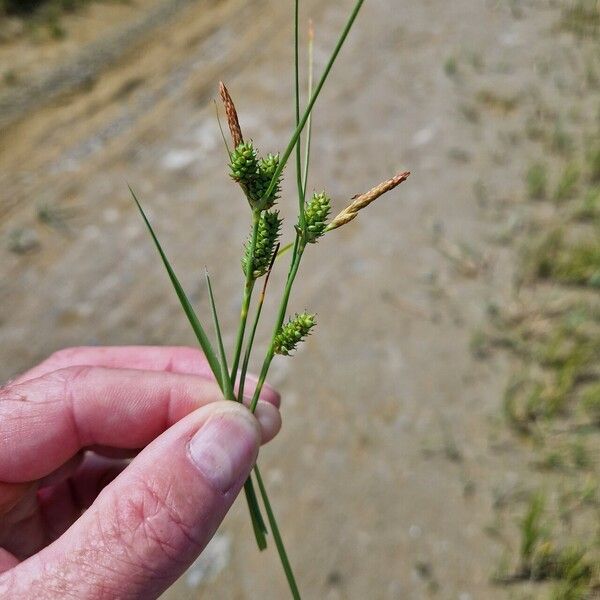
point(66, 427)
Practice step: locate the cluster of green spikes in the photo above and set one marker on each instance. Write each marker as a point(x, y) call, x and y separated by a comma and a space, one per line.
point(254, 175)
point(267, 239)
point(315, 216)
point(294, 332)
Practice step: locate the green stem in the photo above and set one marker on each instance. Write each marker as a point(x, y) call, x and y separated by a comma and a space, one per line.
point(287, 567)
point(309, 122)
point(299, 249)
point(250, 343)
point(302, 123)
point(298, 145)
point(258, 523)
point(227, 388)
point(248, 287)
point(256, 518)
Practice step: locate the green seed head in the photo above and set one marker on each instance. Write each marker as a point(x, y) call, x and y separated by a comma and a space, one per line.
point(292, 333)
point(266, 169)
point(266, 240)
point(315, 216)
point(244, 164)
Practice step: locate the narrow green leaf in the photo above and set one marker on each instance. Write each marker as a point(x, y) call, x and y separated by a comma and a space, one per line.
point(294, 139)
point(227, 389)
point(258, 523)
point(297, 97)
point(311, 37)
point(287, 567)
point(185, 303)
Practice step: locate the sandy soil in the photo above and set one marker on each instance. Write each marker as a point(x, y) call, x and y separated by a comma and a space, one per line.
point(391, 456)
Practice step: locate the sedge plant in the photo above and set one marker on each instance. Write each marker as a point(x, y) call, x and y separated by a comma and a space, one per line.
point(259, 179)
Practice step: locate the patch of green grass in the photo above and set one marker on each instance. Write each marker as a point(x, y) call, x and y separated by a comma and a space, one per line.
point(593, 163)
point(567, 184)
point(570, 263)
point(532, 528)
point(451, 66)
point(561, 141)
point(536, 180)
point(588, 208)
point(590, 402)
point(582, 17)
point(523, 404)
point(543, 559)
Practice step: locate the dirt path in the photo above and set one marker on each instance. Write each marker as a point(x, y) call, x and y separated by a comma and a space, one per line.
point(390, 461)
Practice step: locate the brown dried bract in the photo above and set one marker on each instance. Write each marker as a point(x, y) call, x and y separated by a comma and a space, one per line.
point(232, 118)
point(363, 200)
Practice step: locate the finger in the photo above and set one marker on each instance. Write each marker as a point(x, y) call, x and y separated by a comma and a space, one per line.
point(175, 359)
point(63, 472)
point(148, 526)
point(79, 407)
point(62, 504)
point(7, 561)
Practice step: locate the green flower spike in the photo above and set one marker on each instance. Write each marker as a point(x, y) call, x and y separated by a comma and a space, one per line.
point(315, 216)
point(292, 333)
point(244, 164)
point(266, 240)
point(266, 169)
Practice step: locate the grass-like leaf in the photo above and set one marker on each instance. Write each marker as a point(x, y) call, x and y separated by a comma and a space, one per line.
point(311, 38)
point(227, 388)
point(287, 567)
point(299, 128)
point(258, 523)
point(205, 344)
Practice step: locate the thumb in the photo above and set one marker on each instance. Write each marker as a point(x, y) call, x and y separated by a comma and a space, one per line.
point(149, 524)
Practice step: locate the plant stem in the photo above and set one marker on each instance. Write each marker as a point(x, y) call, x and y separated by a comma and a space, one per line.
point(287, 567)
point(311, 37)
point(299, 249)
point(261, 300)
point(298, 144)
point(248, 287)
point(256, 518)
point(258, 523)
point(312, 101)
point(227, 389)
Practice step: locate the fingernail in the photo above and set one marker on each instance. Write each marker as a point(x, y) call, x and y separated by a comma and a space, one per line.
point(269, 418)
point(224, 449)
point(268, 393)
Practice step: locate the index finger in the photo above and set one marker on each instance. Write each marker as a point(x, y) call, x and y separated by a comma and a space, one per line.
point(172, 359)
point(47, 420)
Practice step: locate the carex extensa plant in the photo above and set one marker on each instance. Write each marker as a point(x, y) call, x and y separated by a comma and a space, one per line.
point(259, 178)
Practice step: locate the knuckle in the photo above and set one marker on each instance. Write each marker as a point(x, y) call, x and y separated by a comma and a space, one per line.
point(70, 375)
point(63, 356)
point(150, 524)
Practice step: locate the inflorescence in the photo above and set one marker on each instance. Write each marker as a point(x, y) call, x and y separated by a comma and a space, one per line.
point(266, 241)
point(294, 332)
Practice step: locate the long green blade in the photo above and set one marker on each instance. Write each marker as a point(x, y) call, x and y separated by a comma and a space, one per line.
point(311, 36)
point(227, 389)
point(185, 303)
point(258, 523)
point(293, 140)
point(287, 567)
point(297, 95)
